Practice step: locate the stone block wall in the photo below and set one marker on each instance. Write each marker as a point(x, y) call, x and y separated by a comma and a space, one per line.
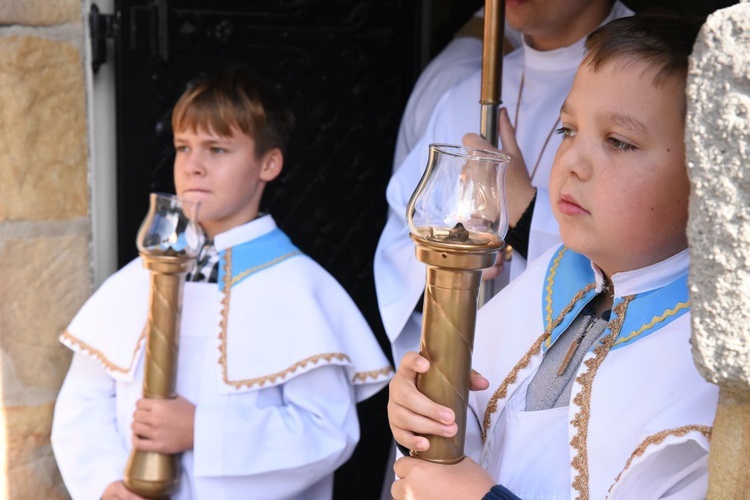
point(45, 229)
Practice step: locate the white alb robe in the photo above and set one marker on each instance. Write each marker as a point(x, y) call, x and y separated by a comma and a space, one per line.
point(275, 375)
point(639, 420)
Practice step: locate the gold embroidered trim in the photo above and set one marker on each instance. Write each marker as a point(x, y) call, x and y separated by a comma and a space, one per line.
point(502, 389)
point(548, 288)
point(658, 438)
point(657, 319)
point(261, 381)
point(583, 400)
point(257, 268)
point(100, 357)
point(578, 296)
point(330, 357)
point(225, 314)
point(374, 374)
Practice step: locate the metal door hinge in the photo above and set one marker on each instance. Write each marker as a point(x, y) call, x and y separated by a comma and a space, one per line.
point(101, 26)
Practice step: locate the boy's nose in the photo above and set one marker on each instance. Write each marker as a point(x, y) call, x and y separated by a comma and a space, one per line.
point(576, 160)
point(194, 164)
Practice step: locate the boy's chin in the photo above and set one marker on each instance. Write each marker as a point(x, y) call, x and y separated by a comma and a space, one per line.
point(578, 247)
point(194, 196)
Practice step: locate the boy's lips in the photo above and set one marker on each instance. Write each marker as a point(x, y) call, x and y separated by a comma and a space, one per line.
point(195, 194)
point(196, 191)
point(569, 206)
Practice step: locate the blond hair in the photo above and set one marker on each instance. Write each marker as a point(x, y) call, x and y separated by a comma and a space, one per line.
point(235, 100)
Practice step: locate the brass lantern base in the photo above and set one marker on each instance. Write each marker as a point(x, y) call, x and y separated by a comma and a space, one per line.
point(152, 475)
point(454, 274)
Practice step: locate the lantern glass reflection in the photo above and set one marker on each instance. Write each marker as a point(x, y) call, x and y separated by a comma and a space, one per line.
point(170, 227)
point(461, 197)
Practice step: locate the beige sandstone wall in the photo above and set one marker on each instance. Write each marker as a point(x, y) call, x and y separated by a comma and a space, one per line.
point(44, 228)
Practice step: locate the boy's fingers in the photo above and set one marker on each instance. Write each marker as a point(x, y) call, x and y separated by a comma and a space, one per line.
point(410, 412)
point(425, 426)
point(477, 382)
point(143, 404)
point(142, 444)
point(141, 430)
point(404, 394)
point(410, 440)
point(413, 363)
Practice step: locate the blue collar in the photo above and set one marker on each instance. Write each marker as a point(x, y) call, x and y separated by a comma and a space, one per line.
point(570, 284)
point(238, 262)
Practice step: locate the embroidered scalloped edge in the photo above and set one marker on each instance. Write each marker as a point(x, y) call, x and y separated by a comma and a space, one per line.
point(548, 288)
point(656, 319)
point(75, 343)
point(583, 401)
point(265, 265)
point(658, 438)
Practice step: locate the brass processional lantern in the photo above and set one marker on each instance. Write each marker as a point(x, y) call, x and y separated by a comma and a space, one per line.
point(168, 242)
point(457, 219)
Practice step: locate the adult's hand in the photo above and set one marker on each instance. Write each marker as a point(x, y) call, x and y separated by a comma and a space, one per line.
point(518, 188)
point(493, 272)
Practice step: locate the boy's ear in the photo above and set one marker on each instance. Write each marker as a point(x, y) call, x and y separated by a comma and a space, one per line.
point(271, 165)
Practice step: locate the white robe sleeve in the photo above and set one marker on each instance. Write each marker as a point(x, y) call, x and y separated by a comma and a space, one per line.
point(460, 58)
point(399, 276)
point(298, 434)
point(88, 448)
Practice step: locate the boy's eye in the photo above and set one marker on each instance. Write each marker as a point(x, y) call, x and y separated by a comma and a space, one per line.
point(180, 148)
point(565, 132)
point(217, 150)
point(620, 145)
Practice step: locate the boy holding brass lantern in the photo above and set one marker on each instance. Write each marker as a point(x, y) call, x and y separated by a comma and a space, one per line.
point(273, 354)
point(592, 391)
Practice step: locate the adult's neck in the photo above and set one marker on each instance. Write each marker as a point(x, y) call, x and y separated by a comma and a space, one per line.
point(584, 22)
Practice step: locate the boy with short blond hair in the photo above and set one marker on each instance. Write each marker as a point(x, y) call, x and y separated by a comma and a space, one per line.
point(273, 353)
point(593, 392)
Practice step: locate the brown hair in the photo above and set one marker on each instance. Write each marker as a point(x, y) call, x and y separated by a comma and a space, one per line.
point(663, 42)
point(236, 100)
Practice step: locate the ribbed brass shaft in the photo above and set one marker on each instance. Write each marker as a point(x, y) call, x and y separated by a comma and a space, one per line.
point(448, 320)
point(150, 474)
